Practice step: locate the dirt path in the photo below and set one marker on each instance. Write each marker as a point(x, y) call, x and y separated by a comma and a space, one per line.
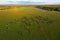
point(44, 31)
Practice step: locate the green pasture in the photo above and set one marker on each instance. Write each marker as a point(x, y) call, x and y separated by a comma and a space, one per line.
point(29, 23)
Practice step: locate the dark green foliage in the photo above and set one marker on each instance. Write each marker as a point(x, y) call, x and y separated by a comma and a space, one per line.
point(48, 8)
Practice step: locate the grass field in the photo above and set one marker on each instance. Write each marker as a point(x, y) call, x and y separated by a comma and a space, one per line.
point(28, 23)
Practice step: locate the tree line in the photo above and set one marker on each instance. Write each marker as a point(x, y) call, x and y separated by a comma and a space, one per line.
point(48, 8)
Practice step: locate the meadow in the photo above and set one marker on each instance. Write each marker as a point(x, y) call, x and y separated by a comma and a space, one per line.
point(26, 22)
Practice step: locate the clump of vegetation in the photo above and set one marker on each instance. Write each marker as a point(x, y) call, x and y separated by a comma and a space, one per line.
point(49, 8)
point(28, 22)
point(35, 23)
